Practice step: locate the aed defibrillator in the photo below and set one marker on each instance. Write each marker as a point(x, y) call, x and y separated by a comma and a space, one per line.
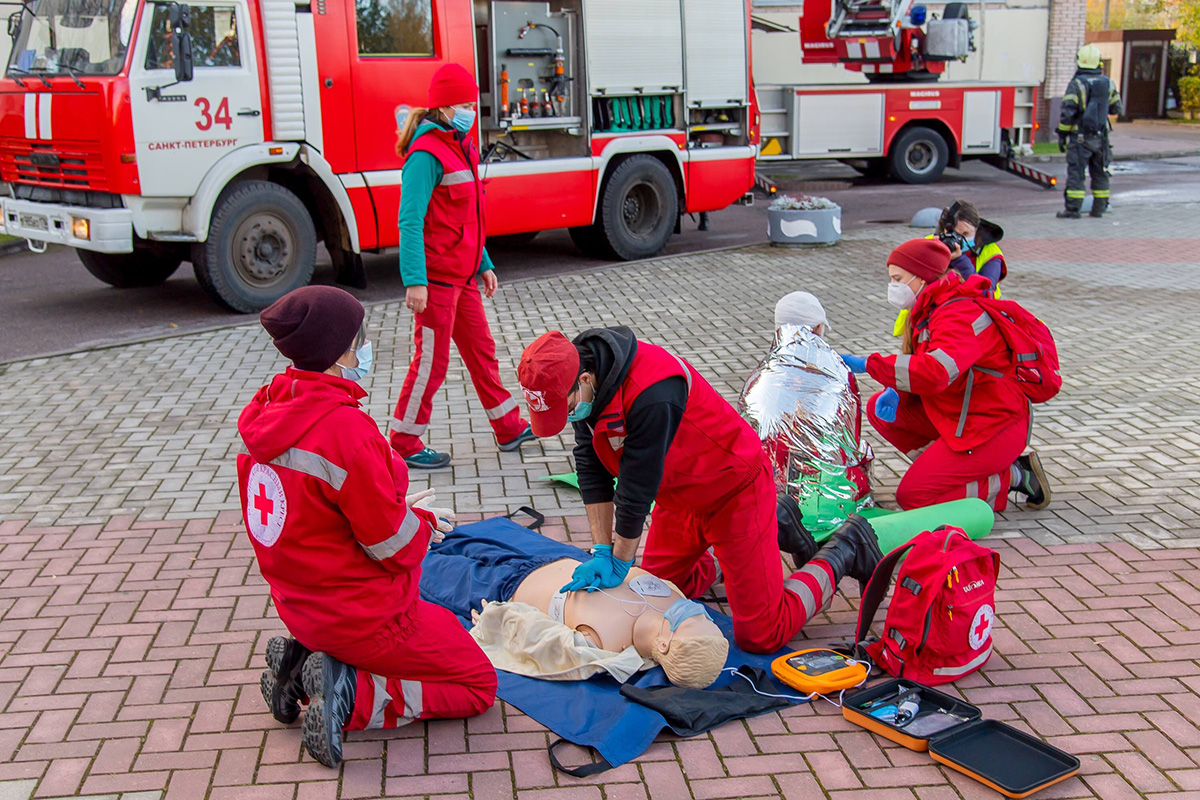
point(819, 671)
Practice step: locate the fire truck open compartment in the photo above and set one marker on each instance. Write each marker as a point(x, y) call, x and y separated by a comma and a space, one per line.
point(553, 74)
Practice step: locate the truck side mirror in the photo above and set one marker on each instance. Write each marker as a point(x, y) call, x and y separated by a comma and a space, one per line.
point(180, 16)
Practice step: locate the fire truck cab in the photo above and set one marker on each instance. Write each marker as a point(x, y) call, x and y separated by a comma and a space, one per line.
point(238, 134)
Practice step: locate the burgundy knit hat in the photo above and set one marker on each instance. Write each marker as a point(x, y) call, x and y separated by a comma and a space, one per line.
point(452, 85)
point(314, 325)
point(928, 259)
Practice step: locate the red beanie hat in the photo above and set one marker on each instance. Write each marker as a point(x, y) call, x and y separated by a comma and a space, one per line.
point(928, 259)
point(452, 85)
point(314, 325)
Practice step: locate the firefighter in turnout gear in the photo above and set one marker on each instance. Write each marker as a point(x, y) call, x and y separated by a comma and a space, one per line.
point(1083, 132)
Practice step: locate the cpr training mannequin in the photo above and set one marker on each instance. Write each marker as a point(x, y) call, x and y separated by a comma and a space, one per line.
point(803, 403)
point(464, 573)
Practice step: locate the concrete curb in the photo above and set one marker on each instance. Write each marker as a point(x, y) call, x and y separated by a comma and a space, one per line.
point(1059, 158)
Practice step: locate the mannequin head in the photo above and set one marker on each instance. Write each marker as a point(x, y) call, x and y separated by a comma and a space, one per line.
point(693, 654)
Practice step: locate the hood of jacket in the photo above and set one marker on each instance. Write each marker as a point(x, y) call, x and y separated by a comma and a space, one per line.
point(949, 288)
point(287, 408)
point(613, 349)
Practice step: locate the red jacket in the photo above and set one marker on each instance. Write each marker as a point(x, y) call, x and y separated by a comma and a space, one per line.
point(323, 503)
point(714, 452)
point(961, 366)
point(454, 223)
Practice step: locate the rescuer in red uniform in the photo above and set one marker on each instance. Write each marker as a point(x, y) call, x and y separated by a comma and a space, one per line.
point(950, 395)
point(340, 545)
point(442, 262)
point(645, 416)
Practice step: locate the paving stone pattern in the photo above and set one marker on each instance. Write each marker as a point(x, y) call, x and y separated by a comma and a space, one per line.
point(133, 620)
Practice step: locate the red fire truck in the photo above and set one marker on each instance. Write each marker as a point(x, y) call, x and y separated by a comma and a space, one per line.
point(902, 120)
point(238, 134)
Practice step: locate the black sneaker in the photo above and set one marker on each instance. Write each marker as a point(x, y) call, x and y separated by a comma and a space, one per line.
point(1065, 214)
point(281, 684)
point(1035, 486)
point(520, 439)
point(330, 686)
point(428, 458)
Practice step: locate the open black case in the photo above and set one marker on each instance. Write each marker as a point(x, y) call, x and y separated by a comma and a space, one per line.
point(954, 732)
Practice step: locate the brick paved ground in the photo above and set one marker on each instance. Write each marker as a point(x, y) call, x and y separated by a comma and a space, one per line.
point(132, 620)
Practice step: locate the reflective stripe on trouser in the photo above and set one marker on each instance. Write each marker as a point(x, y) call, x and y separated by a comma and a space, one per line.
point(1086, 156)
point(813, 584)
point(436, 671)
point(743, 533)
point(940, 474)
point(454, 313)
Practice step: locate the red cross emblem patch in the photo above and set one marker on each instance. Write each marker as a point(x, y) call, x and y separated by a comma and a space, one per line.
point(266, 505)
point(981, 626)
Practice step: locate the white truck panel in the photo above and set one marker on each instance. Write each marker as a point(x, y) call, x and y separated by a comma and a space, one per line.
point(634, 44)
point(714, 34)
point(839, 125)
point(981, 122)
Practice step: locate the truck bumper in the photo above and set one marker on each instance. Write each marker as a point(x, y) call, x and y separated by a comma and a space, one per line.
point(105, 230)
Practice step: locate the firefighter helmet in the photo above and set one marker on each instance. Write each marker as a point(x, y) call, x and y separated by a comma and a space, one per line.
point(1088, 57)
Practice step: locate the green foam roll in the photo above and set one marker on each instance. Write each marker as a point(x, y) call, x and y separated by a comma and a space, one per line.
point(974, 516)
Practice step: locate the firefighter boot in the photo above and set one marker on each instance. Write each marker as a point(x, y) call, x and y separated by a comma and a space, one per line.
point(852, 551)
point(1099, 206)
point(281, 684)
point(794, 538)
point(1029, 479)
point(1067, 213)
point(331, 687)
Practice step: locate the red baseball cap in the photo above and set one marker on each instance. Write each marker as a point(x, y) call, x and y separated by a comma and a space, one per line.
point(547, 373)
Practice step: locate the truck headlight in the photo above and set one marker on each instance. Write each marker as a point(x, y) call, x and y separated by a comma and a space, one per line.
point(81, 228)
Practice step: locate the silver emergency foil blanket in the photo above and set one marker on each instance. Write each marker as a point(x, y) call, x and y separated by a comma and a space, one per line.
point(800, 403)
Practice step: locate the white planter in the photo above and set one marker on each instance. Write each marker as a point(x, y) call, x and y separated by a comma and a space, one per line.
point(821, 226)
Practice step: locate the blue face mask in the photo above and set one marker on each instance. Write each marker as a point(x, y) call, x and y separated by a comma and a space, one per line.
point(365, 356)
point(970, 242)
point(463, 119)
point(583, 410)
point(682, 609)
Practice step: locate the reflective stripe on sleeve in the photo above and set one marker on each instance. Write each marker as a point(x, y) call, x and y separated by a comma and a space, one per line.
point(398, 540)
point(943, 358)
point(981, 323)
point(313, 465)
point(902, 382)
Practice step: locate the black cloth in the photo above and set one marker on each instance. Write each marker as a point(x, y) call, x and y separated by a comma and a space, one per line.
point(650, 428)
point(691, 712)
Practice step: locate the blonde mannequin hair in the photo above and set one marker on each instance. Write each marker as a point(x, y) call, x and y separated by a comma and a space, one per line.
point(693, 662)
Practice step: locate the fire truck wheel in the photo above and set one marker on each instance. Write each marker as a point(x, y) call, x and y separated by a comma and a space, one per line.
point(261, 245)
point(143, 267)
point(639, 208)
point(919, 155)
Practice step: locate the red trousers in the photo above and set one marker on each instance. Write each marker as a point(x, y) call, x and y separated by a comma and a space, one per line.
point(940, 474)
point(437, 671)
point(743, 533)
point(453, 313)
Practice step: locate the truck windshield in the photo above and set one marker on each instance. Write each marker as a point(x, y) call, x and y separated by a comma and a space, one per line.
point(61, 37)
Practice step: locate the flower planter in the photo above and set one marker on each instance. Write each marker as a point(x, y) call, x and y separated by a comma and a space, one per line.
point(797, 227)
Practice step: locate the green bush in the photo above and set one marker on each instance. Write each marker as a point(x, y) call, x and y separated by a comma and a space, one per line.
point(1189, 91)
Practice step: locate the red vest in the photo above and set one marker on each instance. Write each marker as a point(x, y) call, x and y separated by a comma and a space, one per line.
point(454, 224)
point(714, 452)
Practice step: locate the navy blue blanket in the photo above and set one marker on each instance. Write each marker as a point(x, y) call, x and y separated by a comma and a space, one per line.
point(588, 713)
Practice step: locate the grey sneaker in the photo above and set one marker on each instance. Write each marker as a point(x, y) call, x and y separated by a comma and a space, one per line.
point(520, 439)
point(331, 687)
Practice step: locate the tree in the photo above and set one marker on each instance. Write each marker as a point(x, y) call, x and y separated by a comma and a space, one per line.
point(1183, 15)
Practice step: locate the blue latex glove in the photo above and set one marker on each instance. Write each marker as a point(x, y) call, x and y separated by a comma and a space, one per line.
point(601, 572)
point(857, 364)
point(886, 405)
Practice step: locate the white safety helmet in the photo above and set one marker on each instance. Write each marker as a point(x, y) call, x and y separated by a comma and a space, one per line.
point(1088, 57)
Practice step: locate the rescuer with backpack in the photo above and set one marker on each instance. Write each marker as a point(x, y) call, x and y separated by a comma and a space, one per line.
point(1083, 132)
point(958, 396)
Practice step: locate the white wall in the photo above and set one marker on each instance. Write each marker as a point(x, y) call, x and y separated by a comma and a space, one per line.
point(1010, 47)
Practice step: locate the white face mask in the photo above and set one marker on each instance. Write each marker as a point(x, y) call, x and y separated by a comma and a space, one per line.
point(901, 295)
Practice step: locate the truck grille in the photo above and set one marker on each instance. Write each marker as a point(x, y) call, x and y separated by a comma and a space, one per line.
point(60, 167)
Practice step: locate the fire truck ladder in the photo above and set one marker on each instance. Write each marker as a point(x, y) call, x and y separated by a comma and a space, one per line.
point(1007, 161)
point(866, 18)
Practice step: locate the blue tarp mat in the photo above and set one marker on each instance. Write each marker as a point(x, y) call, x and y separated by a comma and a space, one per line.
point(588, 713)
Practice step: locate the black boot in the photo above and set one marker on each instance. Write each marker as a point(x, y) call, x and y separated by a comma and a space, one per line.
point(1099, 206)
point(794, 538)
point(1033, 483)
point(331, 687)
point(1067, 213)
point(280, 684)
point(852, 551)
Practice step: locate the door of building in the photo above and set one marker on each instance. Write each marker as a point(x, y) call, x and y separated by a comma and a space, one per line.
point(1145, 81)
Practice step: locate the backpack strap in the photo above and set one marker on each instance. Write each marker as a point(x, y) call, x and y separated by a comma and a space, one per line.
point(877, 589)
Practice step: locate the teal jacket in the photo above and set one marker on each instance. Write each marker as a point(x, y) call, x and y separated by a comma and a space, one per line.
point(421, 173)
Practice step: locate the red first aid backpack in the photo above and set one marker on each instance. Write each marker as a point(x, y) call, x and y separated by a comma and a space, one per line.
point(939, 624)
point(1035, 355)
